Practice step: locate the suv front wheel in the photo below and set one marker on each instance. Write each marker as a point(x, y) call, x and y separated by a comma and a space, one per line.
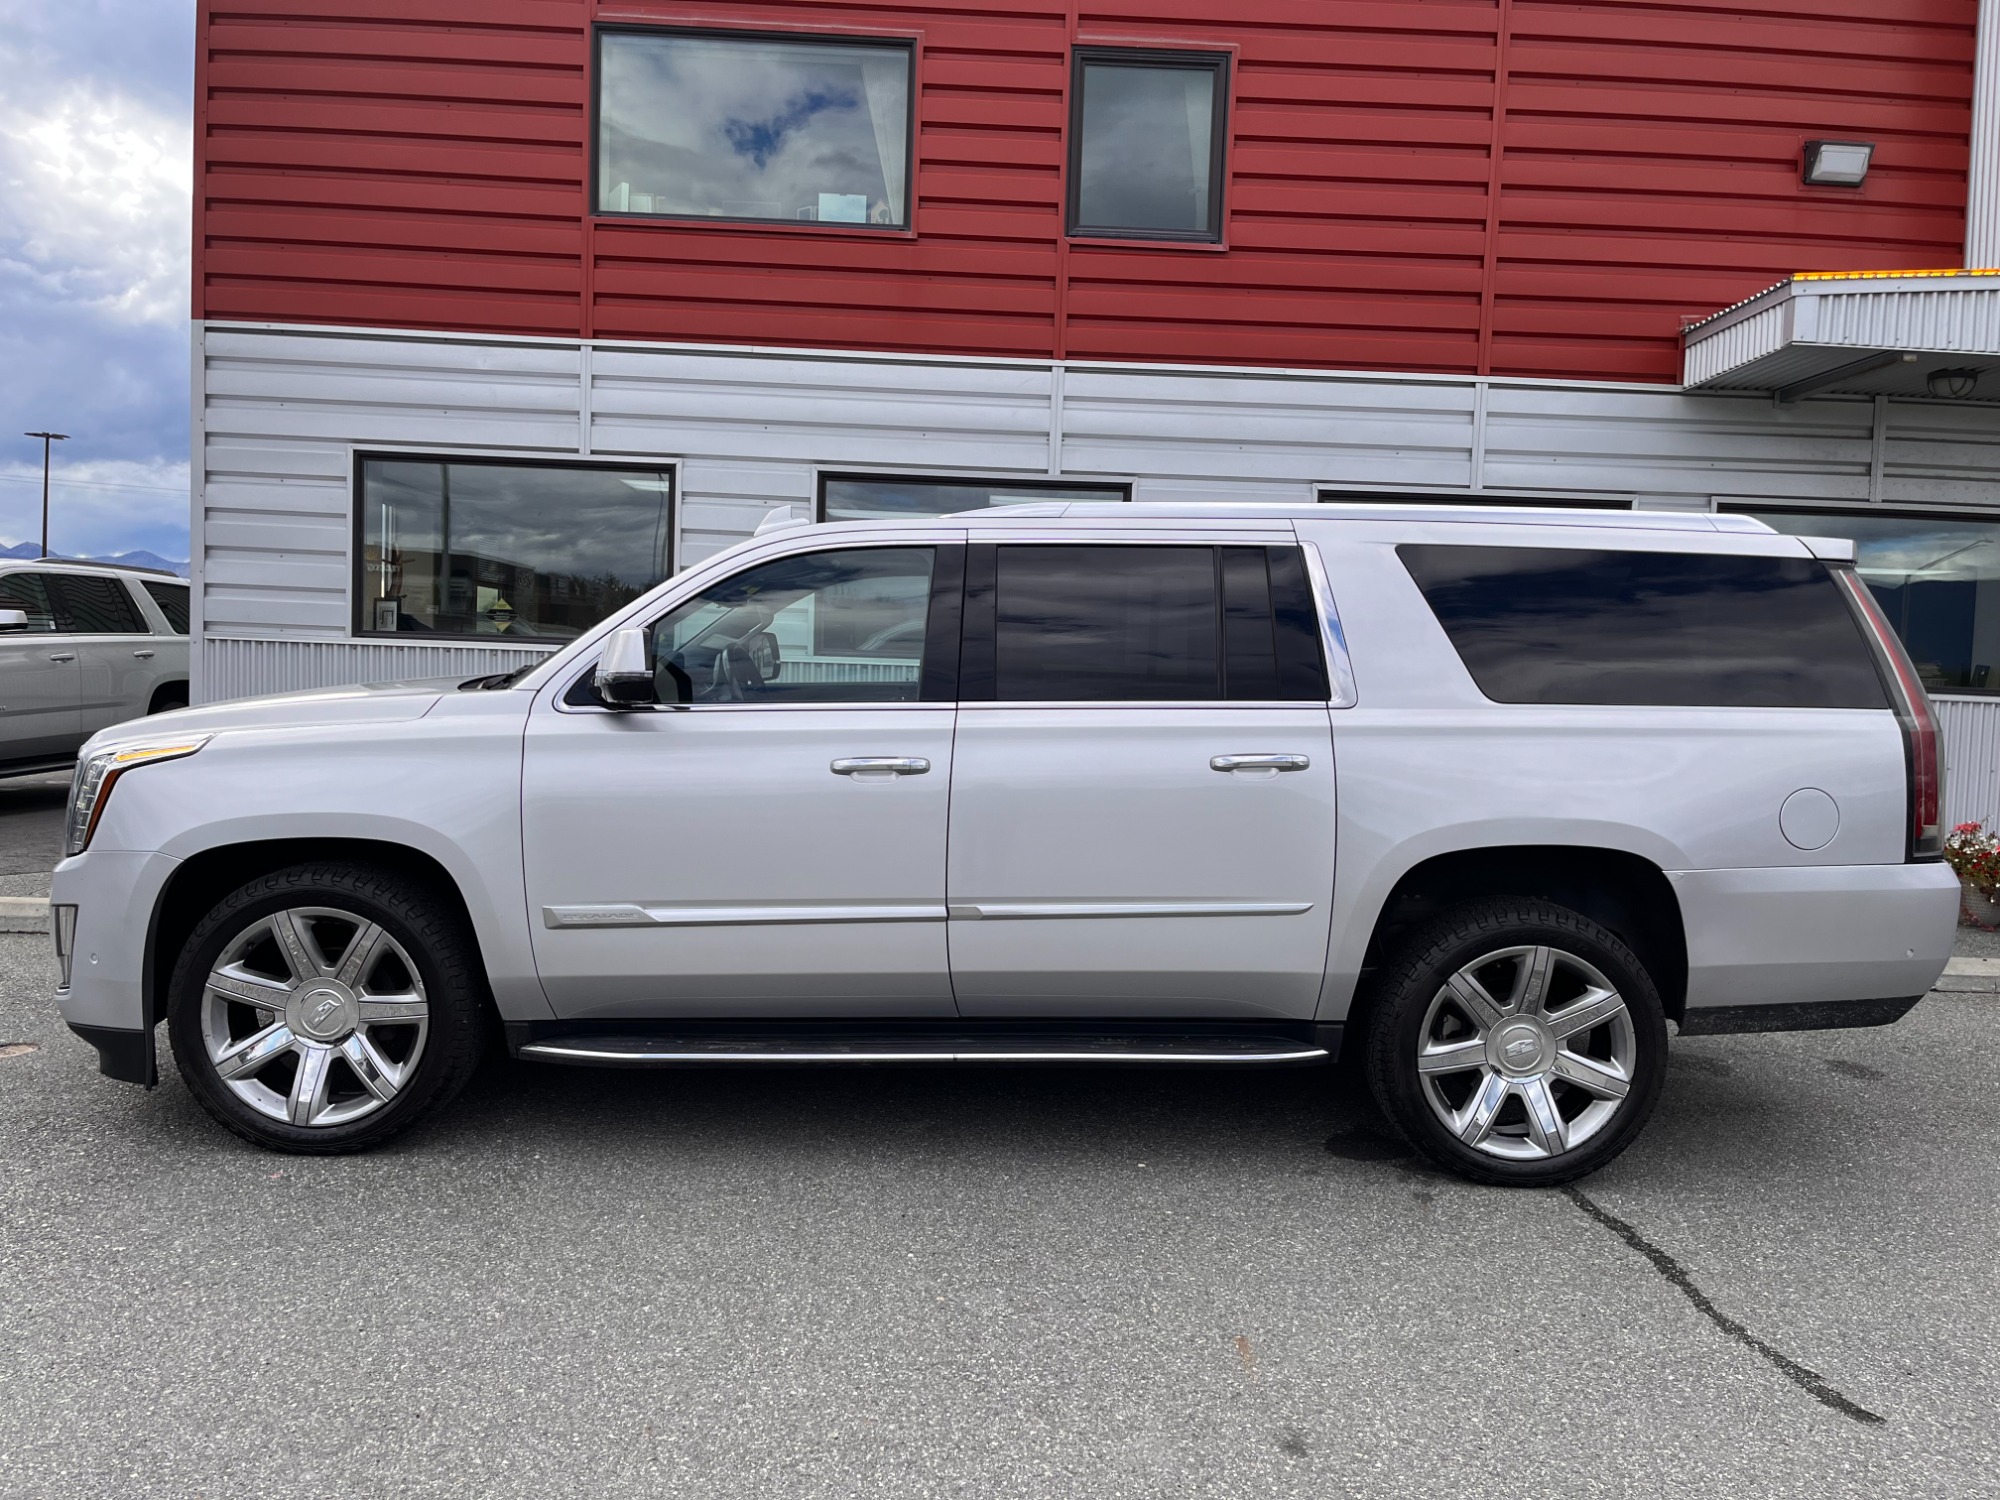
point(325, 1008)
point(1517, 1042)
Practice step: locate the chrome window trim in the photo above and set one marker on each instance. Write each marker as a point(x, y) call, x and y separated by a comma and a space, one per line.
point(1339, 666)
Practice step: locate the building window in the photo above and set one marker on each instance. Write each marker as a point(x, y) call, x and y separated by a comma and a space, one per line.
point(536, 552)
point(1146, 144)
point(864, 497)
point(1937, 578)
point(760, 128)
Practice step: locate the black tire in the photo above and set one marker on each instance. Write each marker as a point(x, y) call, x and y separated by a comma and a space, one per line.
point(1402, 1005)
point(442, 956)
point(167, 700)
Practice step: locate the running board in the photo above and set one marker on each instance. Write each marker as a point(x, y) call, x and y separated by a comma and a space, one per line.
point(667, 1051)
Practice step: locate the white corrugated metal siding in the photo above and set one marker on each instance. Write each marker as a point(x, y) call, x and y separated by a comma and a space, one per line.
point(1971, 730)
point(1738, 340)
point(239, 668)
point(1982, 199)
point(285, 409)
point(1939, 316)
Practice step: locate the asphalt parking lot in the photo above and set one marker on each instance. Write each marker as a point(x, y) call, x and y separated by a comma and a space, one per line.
point(1003, 1283)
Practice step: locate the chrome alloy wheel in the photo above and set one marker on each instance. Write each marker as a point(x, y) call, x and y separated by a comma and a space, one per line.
point(1526, 1053)
point(314, 1016)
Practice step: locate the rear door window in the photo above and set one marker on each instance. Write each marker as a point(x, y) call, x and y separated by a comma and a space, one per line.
point(172, 598)
point(29, 593)
point(1089, 623)
point(92, 605)
point(1665, 629)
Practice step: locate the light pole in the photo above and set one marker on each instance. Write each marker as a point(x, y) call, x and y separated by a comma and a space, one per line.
point(47, 438)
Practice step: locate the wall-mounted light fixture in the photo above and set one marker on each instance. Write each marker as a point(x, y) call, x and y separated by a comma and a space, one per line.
point(1837, 163)
point(1957, 384)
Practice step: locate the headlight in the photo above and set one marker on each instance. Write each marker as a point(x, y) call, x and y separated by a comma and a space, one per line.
point(97, 773)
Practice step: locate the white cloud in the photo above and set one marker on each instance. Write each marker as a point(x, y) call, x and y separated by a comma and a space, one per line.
point(97, 507)
point(97, 187)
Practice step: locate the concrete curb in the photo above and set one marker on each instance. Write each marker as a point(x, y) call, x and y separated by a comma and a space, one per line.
point(1970, 976)
point(24, 914)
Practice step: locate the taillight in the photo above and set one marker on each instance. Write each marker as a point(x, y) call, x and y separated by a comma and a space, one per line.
point(1913, 710)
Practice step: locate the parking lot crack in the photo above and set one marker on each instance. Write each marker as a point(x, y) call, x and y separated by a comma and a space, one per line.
point(1809, 1381)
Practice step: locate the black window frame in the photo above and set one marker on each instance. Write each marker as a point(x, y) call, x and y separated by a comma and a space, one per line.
point(957, 481)
point(357, 576)
point(1299, 671)
point(908, 43)
point(1218, 65)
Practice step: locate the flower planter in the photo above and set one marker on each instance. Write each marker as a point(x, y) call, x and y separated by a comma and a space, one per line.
point(1982, 908)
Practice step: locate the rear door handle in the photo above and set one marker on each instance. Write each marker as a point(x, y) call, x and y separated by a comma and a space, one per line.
point(880, 765)
point(63, 656)
point(143, 655)
point(1258, 763)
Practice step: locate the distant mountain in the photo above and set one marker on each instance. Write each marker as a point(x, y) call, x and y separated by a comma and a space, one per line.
point(138, 559)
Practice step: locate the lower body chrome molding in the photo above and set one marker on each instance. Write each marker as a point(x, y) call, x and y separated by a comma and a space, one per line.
point(696, 1047)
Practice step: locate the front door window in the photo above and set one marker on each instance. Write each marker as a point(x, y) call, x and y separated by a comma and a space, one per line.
point(826, 627)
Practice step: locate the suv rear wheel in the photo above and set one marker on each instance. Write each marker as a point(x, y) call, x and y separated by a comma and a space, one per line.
point(1517, 1042)
point(325, 1008)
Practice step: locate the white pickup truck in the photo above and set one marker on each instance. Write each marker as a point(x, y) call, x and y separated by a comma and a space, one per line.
point(1496, 796)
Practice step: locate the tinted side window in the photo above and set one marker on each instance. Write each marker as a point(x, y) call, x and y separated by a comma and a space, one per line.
point(1271, 635)
point(1562, 625)
point(29, 592)
point(172, 599)
point(1089, 623)
point(96, 606)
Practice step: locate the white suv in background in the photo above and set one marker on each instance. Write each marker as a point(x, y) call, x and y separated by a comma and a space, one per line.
point(1495, 796)
point(84, 646)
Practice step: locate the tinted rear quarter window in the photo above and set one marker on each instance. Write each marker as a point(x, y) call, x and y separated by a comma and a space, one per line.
point(1664, 629)
point(172, 599)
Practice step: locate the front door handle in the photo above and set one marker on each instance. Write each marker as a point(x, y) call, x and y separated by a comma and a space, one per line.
point(63, 656)
point(1258, 762)
point(143, 655)
point(880, 765)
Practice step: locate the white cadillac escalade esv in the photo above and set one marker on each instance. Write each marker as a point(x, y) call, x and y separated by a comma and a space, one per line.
point(1493, 795)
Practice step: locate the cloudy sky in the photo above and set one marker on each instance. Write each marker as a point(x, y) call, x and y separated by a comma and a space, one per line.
point(95, 142)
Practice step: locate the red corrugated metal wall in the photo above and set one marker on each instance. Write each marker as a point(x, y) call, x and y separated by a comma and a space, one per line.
point(1510, 187)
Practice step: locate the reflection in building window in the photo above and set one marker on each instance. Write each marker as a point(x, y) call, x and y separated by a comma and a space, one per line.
point(753, 127)
point(1936, 578)
point(857, 497)
point(533, 552)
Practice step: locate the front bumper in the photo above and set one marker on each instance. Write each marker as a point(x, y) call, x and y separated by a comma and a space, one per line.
point(1813, 946)
point(108, 1000)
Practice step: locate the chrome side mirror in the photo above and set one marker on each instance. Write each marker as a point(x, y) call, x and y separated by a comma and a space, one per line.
point(623, 679)
point(13, 619)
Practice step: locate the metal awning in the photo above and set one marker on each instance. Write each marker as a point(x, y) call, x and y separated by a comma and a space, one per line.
point(1864, 333)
